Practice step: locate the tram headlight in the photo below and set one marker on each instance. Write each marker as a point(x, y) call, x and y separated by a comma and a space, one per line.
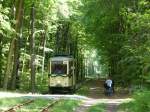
point(58, 82)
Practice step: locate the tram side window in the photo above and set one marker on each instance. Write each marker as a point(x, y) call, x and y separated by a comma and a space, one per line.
point(59, 68)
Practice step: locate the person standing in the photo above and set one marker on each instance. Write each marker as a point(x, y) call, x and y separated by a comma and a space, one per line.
point(108, 86)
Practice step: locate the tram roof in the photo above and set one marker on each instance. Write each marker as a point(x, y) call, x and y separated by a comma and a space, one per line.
point(61, 58)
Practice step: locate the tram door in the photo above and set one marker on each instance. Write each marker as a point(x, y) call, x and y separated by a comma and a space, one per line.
point(72, 72)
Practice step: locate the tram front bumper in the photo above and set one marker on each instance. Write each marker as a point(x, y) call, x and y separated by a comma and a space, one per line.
point(59, 81)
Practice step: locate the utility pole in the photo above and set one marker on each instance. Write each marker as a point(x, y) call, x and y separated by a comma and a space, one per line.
point(32, 52)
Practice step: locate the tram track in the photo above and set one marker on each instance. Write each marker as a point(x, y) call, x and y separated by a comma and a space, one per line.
point(16, 107)
point(28, 102)
point(47, 107)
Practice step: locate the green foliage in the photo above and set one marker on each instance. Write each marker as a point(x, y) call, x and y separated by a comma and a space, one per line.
point(84, 90)
point(135, 49)
point(25, 81)
point(140, 104)
point(41, 82)
point(117, 30)
point(120, 33)
point(5, 23)
point(97, 108)
point(102, 20)
point(65, 106)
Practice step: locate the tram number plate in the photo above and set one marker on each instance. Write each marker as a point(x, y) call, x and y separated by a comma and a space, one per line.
point(64, 62)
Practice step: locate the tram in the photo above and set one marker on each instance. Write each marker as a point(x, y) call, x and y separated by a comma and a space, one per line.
point(62, 74)
point(66, 67)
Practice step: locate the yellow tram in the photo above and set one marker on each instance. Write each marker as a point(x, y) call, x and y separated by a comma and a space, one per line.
point(62, 73)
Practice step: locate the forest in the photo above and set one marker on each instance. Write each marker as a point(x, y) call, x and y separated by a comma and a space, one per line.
point(110, 38)
point(118, 31)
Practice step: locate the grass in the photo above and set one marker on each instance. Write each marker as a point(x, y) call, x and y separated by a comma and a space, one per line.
point(35, 106)
point(38, 105)
point(66, 106)
point(125, 107)
point(97, 108)
point(141, 103)
point(6, 103)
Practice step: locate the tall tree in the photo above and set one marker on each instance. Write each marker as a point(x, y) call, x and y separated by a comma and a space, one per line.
point(0, 60)
point(18, 28)
point(9, 65)
point(32, 50)
point(10, 58)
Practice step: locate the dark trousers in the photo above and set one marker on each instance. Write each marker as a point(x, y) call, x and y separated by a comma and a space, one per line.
point(108, 90)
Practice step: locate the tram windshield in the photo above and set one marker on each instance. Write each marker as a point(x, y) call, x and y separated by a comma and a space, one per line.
point(59, 68)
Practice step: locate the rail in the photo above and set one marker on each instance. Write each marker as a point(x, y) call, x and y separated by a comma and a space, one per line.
point(46, 108)
point(14, 108)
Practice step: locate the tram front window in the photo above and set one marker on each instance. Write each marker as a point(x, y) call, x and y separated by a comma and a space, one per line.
point(59, 68)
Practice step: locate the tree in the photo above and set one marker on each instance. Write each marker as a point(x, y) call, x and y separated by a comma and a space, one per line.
point(6, 31)
point(18, 28)
point(32, 47)
point(120, 31)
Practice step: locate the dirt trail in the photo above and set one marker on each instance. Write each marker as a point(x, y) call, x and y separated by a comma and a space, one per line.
point(96, 90)
point(112, 104)
point(112, 107)
point(96, 93)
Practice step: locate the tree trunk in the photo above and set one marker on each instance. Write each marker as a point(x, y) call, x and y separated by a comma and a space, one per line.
point(9, 65)
point(15, 65)
point(1, 62)
point(32, 46)
point(18, 28)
